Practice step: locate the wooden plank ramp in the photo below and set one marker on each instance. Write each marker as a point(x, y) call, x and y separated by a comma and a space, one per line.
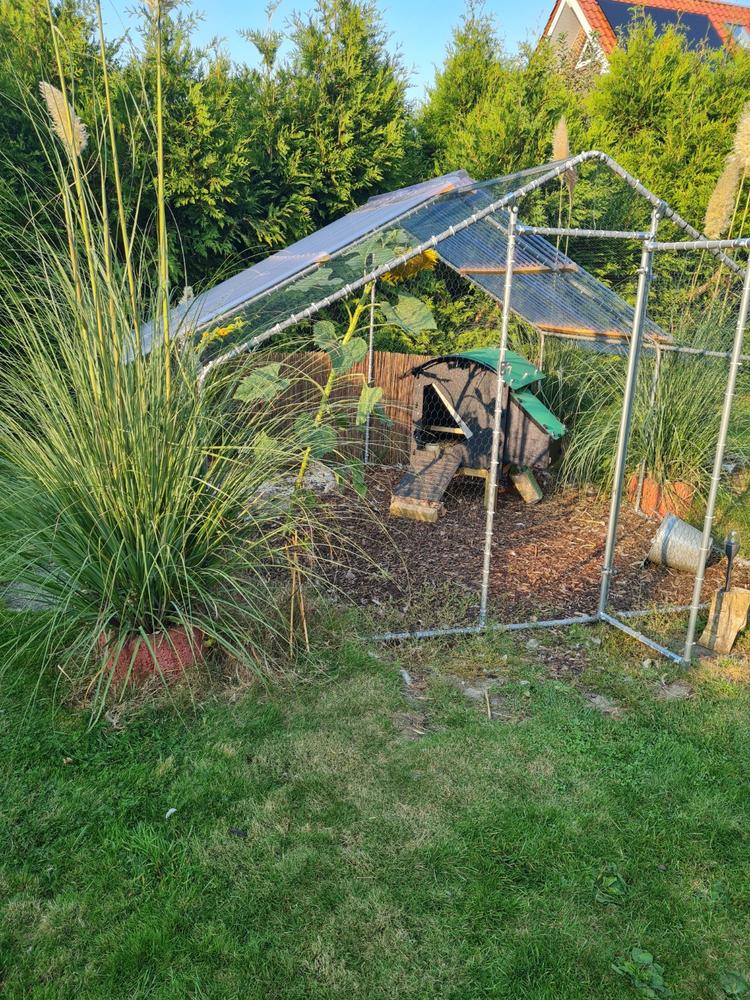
point(420, 492)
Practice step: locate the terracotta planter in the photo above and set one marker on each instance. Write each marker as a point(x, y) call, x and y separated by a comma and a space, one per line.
point(662, 498)
point(170, 654)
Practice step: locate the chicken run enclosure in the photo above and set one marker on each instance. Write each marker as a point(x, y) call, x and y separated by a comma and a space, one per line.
point(567, 257)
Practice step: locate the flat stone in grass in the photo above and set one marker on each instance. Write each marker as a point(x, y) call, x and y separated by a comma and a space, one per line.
point(25, 597)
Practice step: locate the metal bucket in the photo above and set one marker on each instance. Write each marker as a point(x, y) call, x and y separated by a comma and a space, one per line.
point(677, 544)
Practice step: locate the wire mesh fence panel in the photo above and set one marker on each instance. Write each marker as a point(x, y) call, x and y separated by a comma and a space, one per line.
point(413, 546)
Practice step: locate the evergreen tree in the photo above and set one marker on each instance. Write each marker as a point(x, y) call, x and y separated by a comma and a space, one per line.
point(489, 112)
point(276, 202)
point(206, 150)
point(352, 105)
point(668, 113)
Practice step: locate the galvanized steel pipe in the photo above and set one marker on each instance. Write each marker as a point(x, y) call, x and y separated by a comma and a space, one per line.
point(498, 437)
point(726, 413)
point(636, 340)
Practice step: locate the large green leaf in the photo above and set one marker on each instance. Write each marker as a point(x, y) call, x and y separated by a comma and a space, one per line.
point(351, 353)
point(263, 445)
point(357, 472)
point(410, 313)
point(263, 385)
point(324, 335)
point(343, 356)
point(319, 438)
point(368, 400)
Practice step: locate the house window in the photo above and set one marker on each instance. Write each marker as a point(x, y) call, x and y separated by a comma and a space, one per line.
point(588, 55)
point(740, 34)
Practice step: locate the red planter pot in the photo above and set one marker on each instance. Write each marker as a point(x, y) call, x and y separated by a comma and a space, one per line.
point(170, 654)
point(662, 499)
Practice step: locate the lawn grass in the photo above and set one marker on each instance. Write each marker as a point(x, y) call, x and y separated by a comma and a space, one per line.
point(323, 848)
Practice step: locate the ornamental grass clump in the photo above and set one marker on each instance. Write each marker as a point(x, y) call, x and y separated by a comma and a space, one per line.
point(146, 517)
point(674, 432)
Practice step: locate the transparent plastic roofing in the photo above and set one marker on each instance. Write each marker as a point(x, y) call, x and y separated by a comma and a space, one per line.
point(549, 290)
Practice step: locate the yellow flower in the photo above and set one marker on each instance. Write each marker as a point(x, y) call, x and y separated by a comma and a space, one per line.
point(219, 333)
point(422, 262)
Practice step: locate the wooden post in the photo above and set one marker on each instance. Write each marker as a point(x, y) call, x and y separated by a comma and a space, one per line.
point(726, 619)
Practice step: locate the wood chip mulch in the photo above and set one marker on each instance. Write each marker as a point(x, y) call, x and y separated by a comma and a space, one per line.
point(546, 558)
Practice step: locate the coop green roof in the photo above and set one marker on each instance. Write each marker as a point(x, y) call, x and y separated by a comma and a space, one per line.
point(520, 371)
point(538, 412)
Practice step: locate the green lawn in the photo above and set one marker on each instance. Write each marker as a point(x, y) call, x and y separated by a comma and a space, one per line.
point(335, 839)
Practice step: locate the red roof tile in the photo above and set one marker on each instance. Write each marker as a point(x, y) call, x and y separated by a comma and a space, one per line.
point(719, 14)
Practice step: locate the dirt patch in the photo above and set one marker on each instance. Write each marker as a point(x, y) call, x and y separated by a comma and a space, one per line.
point(563, 658)
point(677, 691)
point(411, 725)
point(546, 558)
point(604, 705)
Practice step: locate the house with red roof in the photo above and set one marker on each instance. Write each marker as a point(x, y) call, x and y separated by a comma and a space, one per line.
point(590, 29)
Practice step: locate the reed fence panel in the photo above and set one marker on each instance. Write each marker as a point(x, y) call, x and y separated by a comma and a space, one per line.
point(389, 442)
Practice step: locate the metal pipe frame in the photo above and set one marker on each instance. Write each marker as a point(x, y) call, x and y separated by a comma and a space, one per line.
point(640, 637)
point(741, 243)
point(652, 403)
point(659, 347)
point(584, 234)
point(430, 244)
point(540, 362)
point(370, 369)
point(721, 443)
point(623, 440)
point(661, 210)
point(529, 626)
point(498, 437)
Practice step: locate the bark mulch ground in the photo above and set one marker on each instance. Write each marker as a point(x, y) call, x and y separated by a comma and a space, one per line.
point(546, 558)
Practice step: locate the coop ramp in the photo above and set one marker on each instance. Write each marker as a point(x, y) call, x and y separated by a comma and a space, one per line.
point(420, 492)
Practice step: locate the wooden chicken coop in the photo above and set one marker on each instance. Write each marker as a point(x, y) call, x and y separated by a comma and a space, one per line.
point(453, 405)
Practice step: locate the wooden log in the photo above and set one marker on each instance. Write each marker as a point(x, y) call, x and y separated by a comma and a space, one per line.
point(445, 430)
point(583, 331)
point(416, 510)
point(586, 331)
point(526, 483)
point(726, 619)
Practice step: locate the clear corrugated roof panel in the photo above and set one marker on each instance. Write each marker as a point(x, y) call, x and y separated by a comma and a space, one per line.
point(232, 295)
point(549, 289)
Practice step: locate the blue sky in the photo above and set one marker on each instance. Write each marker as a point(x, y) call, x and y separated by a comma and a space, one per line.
point(420, 27)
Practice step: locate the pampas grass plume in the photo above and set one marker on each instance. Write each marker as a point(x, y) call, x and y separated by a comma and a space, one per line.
point(65, 122)
point(722, 201)
point(561, 151)
point(742, 139)
point(161, 6)
point(560, 141)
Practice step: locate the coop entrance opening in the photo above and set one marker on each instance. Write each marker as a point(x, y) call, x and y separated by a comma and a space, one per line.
point(440, 419)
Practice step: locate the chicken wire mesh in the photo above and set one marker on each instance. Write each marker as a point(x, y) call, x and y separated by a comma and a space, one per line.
point(572, 310)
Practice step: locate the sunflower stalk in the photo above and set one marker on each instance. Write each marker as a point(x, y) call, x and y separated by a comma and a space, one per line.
point(297, 599)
